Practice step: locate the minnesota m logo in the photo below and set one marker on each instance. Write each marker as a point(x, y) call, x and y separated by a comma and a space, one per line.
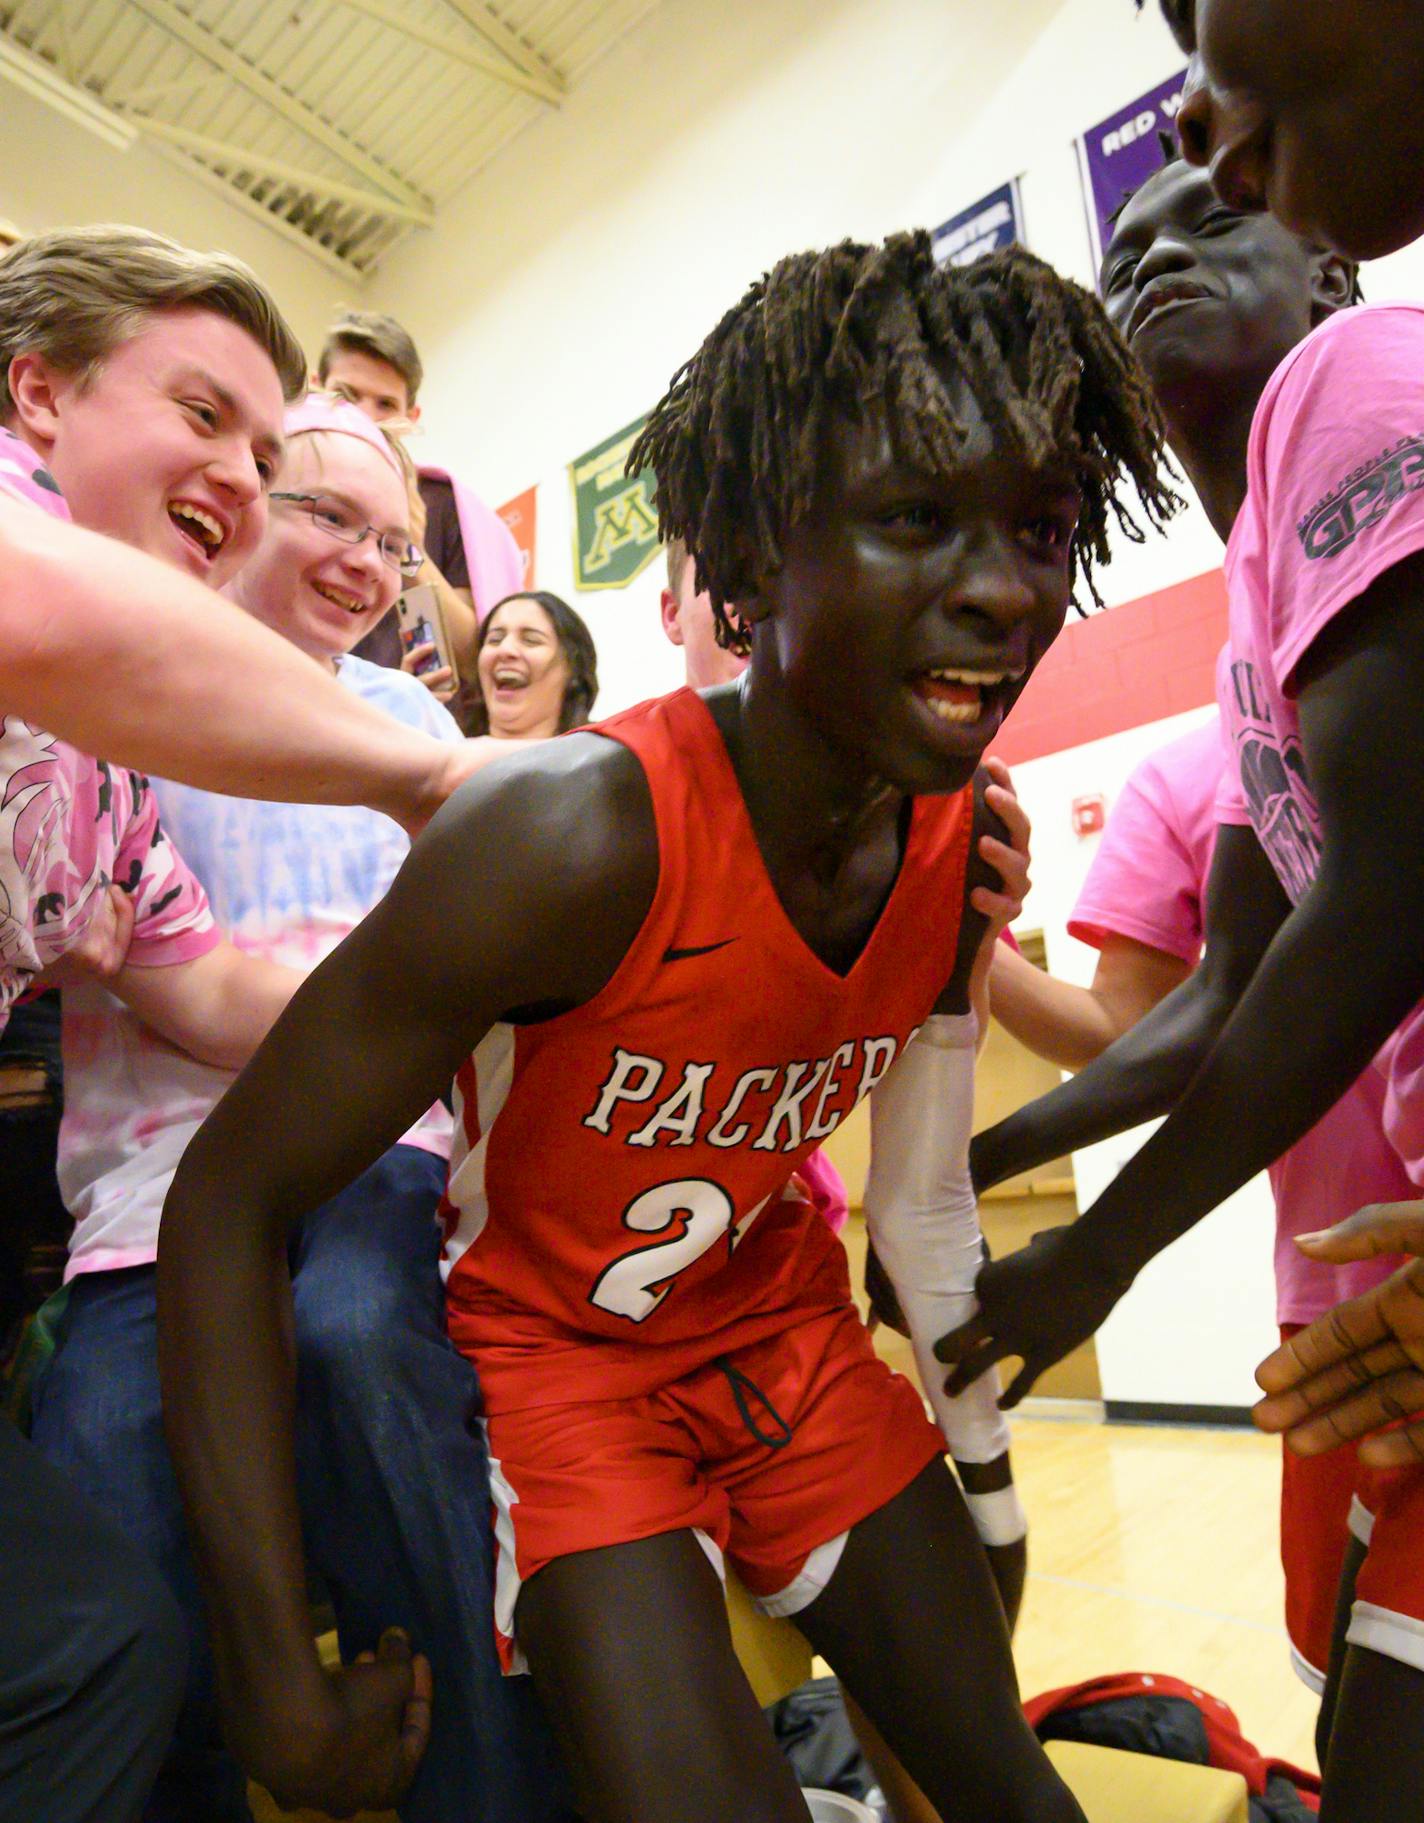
point(615, 524)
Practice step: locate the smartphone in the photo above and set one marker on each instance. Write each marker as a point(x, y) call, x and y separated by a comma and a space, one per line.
point(418, 615)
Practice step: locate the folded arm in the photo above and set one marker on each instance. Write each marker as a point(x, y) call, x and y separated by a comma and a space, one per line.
point(218, 1007)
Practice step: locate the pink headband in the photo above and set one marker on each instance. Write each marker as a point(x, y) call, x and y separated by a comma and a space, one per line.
point(327, 411)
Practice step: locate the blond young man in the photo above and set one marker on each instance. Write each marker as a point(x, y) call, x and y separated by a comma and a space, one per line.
point(141, 391)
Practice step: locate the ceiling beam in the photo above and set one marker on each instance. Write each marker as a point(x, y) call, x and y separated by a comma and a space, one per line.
point(178, 25)
point(242, 158)
point(240, 200)
point(184, 87)
point(542, 85)
point(507, 41)
point(67, 60)
point(41, 80)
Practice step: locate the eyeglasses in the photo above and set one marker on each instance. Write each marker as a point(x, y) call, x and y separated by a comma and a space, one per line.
point(335, 518)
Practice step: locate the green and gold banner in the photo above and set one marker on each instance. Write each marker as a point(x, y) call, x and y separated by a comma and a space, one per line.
point(615, 522)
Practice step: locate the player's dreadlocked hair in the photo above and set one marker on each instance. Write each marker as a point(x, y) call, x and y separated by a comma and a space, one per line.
point(737, 440)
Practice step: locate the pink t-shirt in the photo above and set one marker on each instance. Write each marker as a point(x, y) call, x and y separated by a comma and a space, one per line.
point(1335, 498)
point(70, 825)
point(1148, 882)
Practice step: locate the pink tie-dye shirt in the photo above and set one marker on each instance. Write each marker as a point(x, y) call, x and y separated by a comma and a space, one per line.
point(70, 825)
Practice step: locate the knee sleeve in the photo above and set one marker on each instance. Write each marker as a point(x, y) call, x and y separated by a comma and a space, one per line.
point(924, 1224)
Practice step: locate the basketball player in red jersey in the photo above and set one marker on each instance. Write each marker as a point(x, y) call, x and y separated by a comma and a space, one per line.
point(892, 469)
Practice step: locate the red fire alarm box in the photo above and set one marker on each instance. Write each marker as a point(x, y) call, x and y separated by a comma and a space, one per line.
point(1089, 815)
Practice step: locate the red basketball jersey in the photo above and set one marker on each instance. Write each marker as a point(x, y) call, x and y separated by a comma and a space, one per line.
point(617, 1172)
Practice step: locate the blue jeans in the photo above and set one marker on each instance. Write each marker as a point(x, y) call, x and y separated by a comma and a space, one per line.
point(393, 1479)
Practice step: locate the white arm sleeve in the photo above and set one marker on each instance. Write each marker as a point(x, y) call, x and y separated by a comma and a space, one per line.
point(923, 1221)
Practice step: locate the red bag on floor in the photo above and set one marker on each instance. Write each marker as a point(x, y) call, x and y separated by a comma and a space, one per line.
point(1147, 1712)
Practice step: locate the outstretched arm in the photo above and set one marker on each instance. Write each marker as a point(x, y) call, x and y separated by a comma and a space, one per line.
point(1344, 969)
point(122, 656)
point(1071, 1025)
point(1146, 1071)
point(375, 1033)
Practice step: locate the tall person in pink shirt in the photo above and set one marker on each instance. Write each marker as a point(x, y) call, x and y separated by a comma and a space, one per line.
point(1318, 963)
point(1143, 908)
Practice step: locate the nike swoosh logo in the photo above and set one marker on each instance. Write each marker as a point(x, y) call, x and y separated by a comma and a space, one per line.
point(706, 949)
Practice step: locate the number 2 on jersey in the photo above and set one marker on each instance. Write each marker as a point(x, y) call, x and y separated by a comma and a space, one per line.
point(635, 1283)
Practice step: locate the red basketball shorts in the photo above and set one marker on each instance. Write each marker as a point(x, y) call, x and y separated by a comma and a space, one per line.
point(1324, 1501)
point(770, 1455)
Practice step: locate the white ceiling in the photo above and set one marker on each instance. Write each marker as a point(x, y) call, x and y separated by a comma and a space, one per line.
point(344, 123)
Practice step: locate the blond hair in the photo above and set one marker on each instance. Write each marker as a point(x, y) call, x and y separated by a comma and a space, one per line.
point(74, 294)
point(677, 559)
point(381, 337)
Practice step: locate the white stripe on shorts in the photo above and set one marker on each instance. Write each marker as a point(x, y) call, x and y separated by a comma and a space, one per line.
point(802, 1590)
point(1381, 1630)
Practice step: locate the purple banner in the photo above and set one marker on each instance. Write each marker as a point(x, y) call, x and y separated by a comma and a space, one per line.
point(1121, 152)
point(995, 221)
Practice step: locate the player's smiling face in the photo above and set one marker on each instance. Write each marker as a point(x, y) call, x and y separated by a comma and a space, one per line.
point(1309, 108)
point(1203, 293)
point(911, 607)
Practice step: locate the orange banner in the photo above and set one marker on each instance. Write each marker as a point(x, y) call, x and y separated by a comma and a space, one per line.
point(521, 516)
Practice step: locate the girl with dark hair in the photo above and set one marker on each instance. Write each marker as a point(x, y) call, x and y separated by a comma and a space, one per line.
point(537, 669)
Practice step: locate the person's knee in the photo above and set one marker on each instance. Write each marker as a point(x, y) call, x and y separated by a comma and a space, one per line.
point(364, 1338)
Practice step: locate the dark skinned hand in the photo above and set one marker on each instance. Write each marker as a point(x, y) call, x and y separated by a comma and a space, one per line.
point(1358, 1371)
point(1038, 1304)
point(360, 1748)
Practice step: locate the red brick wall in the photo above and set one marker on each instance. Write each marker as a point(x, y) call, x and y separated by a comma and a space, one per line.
point(1121, 668)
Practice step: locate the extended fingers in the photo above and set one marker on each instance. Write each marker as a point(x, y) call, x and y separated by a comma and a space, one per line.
point(1296, 1401)
point(1022, 1383)
point(953, 1347)
point(974, 1364)
point(1386, 1401)
point(1403, 1448)
point(1349, 1329)
point(1379, 1229)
